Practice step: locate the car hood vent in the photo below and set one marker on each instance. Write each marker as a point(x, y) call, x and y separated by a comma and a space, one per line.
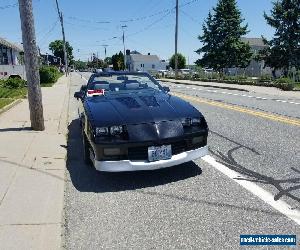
point(149, 101)
point(129, 102)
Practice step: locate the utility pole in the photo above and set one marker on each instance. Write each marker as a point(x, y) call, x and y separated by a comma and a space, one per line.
point(124, 26)
point(60, 15)
point(31, 65)
point(176, 42)
point(105, 46)
point(97, 60)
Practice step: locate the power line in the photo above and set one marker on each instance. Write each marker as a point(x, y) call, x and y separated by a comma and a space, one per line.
point(132, 19)
point(50, 30)
point(85, 26)
point(152, 24)
point(190, 17)
point(87, 21)
point(13, 5)
point(9, 6)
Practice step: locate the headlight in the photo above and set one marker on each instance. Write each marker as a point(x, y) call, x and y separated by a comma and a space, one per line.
point(186, 122)
point(107, 131)
point(116, 130)
point(102, 131)
point(196, 121)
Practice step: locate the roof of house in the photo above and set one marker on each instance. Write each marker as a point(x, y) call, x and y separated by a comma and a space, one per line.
point(144, 58)
point(254, 41)
point(11, 45)
point(135, 52)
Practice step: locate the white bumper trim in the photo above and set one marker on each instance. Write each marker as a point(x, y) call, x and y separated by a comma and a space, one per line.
point(126, 165)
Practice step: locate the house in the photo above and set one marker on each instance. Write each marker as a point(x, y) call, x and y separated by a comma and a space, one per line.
point(11, 60)
point(135, 61)
point(10, 53)
point(50, 60)
point(255, 68)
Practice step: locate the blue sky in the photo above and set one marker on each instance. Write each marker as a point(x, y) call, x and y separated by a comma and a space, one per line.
point(89, 24)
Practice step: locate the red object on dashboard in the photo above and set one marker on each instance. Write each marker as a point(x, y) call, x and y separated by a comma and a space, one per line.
point(96, 91)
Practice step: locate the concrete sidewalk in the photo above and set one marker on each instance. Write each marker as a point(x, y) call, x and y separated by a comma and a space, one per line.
point(32, 173)
point(252, 89)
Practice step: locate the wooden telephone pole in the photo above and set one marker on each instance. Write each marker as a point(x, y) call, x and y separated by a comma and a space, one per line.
point(61, 18)
point(176, 42)
point(31, 65)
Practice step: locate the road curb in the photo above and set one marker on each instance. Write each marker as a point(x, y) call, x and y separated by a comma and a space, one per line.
point(11, 105)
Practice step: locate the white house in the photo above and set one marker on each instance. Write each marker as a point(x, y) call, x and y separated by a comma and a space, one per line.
point(255, 68)
point(9, 53)
point(11, 60)
point(146, 63)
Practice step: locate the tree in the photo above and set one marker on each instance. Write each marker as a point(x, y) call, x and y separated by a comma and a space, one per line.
point(283, 50)
point(108, 60)
point(57, 49)
point(80, 65)
point(118, 61)
point(222, 44)
point(96, 62)
point(181, 61)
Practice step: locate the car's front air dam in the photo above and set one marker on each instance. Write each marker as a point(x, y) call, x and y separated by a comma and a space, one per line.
point(127, 165)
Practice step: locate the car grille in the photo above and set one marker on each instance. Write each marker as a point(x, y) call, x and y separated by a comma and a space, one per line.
point(141, 153)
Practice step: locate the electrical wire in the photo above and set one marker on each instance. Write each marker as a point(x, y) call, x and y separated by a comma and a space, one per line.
point(152, 24)
point(9, 6)
point(190, 17)
point(53, 26)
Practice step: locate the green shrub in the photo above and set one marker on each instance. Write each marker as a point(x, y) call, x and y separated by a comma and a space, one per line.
point(13, 83)
point(285, 83)
point(265, 78)
point(49, 74)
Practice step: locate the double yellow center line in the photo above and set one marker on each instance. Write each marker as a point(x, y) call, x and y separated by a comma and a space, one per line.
point(283, 119)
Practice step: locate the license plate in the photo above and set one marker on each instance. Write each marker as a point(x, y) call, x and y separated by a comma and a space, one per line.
point(159, 153)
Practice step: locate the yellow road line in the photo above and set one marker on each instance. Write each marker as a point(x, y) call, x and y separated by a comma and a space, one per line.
point(283, 119)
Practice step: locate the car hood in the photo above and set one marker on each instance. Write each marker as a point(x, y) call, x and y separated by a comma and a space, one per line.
point(137, 108)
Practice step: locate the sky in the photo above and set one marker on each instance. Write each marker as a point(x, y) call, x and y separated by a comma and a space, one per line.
point(89, 24)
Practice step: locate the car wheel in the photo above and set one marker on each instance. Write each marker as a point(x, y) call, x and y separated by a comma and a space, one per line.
point(86, 150)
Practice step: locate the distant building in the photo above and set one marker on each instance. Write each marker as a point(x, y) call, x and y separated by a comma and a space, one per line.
point(10, 53)
point(50, 60)
point(135, 61)
point(11, 60)
point(255, 68)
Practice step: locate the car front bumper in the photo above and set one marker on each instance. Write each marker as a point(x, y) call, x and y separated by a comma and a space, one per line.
point(127, 165)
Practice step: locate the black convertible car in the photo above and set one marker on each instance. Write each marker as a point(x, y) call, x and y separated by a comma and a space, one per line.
point(130, 122)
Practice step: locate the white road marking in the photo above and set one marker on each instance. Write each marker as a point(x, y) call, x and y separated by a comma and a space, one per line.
point(235, 94)
point(279, 205)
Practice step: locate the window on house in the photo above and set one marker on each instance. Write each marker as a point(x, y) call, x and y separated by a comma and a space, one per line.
point(3, 55)
point(153, 66)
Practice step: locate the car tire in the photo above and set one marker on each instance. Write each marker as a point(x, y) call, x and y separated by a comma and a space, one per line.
point(86, 150)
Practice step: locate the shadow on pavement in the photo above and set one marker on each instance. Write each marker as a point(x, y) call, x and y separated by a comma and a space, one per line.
point(87, 179)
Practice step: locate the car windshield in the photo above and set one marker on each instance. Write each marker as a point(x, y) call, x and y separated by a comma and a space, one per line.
point(113, 83)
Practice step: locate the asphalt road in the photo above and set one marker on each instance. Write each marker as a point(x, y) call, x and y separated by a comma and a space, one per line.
point(193, 206)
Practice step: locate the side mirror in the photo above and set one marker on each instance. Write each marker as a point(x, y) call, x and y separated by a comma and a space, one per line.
point(78, 95)
point(83, 88)
point(166, 89)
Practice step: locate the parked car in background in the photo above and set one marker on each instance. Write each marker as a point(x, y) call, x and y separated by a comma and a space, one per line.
point(130, 122)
